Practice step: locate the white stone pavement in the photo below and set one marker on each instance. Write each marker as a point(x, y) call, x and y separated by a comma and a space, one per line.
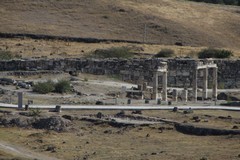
point(127, 107)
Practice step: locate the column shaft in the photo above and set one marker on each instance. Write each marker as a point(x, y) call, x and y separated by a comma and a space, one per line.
point(205, 83)
point(214, 91)
point(164, 86)
point(20, 100)
point(185, 95)
point(195, 73)
point(155, 85)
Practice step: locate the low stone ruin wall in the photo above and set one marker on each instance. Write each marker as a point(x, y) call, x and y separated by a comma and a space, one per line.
point(180, 71)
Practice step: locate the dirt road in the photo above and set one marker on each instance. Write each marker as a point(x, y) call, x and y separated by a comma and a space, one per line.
point(22, 152)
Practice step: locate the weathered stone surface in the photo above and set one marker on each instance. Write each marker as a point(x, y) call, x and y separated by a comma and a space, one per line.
point(203, 131)
point(180, 70)
point(55, 123)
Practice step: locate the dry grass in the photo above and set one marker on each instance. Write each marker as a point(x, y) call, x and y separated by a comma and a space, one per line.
point(89, 140)
point(59, 49)
point(168, 21)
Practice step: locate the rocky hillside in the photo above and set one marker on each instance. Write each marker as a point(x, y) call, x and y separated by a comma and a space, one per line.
point(161, 21)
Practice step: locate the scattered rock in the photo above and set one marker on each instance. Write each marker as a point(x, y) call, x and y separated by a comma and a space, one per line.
point(137, 112)
point(99, 103)
point(69, 117)
point(205, 120)
point(55, 123)
point(120, 114)
point(204, 158)
point(196, 119)
point(224, 96)
point(175, 109)
point(203, 131)
point(108, 132)
point(99, 115)
point(188, 111)
point(222, 117)
point(50, 147)
point(39, 140)
point(235, 127)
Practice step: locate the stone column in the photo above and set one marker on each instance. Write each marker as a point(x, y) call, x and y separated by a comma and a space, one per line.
point(214, 89)
point(164, 86)
point(175, 95)
point(20, 100)
point(155, 85)
point(185, 95)
point(144, 86)
point(205, 83)
point(195, 73)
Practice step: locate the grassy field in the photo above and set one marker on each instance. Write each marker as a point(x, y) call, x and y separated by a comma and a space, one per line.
point(28, 48)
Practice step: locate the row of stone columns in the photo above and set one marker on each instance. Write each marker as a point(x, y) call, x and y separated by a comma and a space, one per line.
point(204, 67)
point(161, 69)
point(205, 81)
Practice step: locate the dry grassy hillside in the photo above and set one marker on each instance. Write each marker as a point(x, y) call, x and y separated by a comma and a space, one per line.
point(167, 21)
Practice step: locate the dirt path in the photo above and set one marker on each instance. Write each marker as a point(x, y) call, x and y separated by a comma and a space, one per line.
point(19, 151)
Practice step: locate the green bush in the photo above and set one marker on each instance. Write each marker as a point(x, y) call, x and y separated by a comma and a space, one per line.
point(5, 55)
point(49, 86)
point(114, 52)
point(35, 112)
point(44, 87)
point(165, 53)
point(62, 86)
point(215, 53)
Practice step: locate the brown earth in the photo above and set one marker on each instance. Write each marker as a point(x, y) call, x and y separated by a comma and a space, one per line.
point(88, 140)
point(167, 21)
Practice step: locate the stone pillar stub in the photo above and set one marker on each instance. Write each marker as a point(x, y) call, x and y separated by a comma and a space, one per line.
point(20, 100)
point(175, 95)
point(144, 86)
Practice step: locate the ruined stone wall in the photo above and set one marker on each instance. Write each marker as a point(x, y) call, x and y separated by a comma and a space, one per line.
point(180, 71)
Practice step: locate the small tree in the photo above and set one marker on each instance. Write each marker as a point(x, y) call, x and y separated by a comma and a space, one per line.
point(62, 86)
point(165, 53)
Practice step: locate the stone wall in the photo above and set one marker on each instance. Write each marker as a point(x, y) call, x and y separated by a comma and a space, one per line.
point(180, 71)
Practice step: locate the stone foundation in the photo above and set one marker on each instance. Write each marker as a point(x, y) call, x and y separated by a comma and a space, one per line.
point(180, 71)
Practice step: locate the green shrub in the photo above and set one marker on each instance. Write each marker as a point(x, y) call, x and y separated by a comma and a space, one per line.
point(114, 52)
point(62, 86)
point(5, 55)
point(215, 53)
point(44, 87)
point(49, 86)
point(35, 112)
point(165, 53)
